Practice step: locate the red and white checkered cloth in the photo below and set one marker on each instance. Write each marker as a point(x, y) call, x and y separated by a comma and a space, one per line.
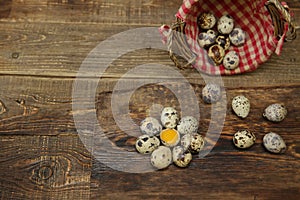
point(250, 15)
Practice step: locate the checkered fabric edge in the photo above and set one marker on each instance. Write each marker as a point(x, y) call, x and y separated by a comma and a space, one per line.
point(250, 15)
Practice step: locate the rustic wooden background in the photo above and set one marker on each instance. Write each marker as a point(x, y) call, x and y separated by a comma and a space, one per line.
point(42, 45)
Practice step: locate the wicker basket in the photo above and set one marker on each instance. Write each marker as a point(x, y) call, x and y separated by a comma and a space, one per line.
point(267, 23)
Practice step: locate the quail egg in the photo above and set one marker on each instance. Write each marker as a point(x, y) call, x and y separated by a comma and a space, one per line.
point(161, 157)
point(197, 143)
point(169, 117)
point(223, 41)
point(206, 20)
point(237, 37)
point(274, 143)
point(146, 144)
point(216, 53)
point(225, 24)
point(244, 139)
point(211, 93)
point(170, 137)
point(186, 141)
point(181, 157)
point(231, 60)
point(206, 39)
point(192, 142)
point(241, 106)
point(187, 125)
point(275, 112)
point(150, 126)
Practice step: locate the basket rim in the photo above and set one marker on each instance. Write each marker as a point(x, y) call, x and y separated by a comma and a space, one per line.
point(184, 13)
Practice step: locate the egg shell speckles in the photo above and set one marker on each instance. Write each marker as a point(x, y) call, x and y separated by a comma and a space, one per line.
point(211, 93)
point(146, 144)
point(169, 117)
point(206, 20)
point(161, 157)
point(181, 157)
point(275, 112)
point(197, 143)
point(241, 106)
point(244, 139)
point(186, 141)
point(274, 143)
point(223, 41)
point(237, 37)
point(150, 126)
point(231, 60)
point(187, 125)
point(225, 24)
point(216, 53)
point(206, 39)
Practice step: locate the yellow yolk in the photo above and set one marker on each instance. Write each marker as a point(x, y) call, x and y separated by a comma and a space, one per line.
point(169, 136)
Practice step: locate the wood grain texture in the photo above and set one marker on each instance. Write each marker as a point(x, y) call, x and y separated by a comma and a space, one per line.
point(226, 173)
point(91, 11)
point(42, 46)
point(44, 167)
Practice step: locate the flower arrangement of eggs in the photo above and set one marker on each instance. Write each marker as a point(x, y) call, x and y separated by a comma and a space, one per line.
point(170, 140)
point(217, 35)
point(174, 140)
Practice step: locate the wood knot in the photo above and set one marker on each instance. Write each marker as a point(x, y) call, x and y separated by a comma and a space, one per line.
point(45, 172)
point(15, 55)
point(2, 108)
point(28, 110)
point(295, 150)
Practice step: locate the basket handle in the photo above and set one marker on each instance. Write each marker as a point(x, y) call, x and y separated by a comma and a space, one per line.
point(177, 45)
point(280, 16)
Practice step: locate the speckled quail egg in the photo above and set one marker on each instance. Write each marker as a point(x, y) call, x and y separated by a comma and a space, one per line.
point(181, 157)
point(275, 112)
point(206, 20)
point(211, 93)
point(192, 142)
point(274, 143)
point(241, 106)
point(186, 141)
point(197, 143)
point(244, 139)
point(169, 117)
point(223, 42)
point(216, 53)
point(161, 157)
point(231, 60)
point(206, 39)
point(146, 144)
point(225, 24)
point(237, 37)
point(187, 125)
point(150, 126)
point(169, 137)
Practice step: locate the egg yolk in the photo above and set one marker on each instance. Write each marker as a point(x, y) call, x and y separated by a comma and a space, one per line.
point(169, 136)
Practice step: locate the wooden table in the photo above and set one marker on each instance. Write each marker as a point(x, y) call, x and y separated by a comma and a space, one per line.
point(43, 45)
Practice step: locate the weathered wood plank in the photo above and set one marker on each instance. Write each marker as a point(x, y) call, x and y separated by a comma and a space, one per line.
point(226, 173)
point(44, 49)
point(43, 167)
point(216, 177)
point(118, 12)
point(32, 106)
point(31, 109)
point(108, 12)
